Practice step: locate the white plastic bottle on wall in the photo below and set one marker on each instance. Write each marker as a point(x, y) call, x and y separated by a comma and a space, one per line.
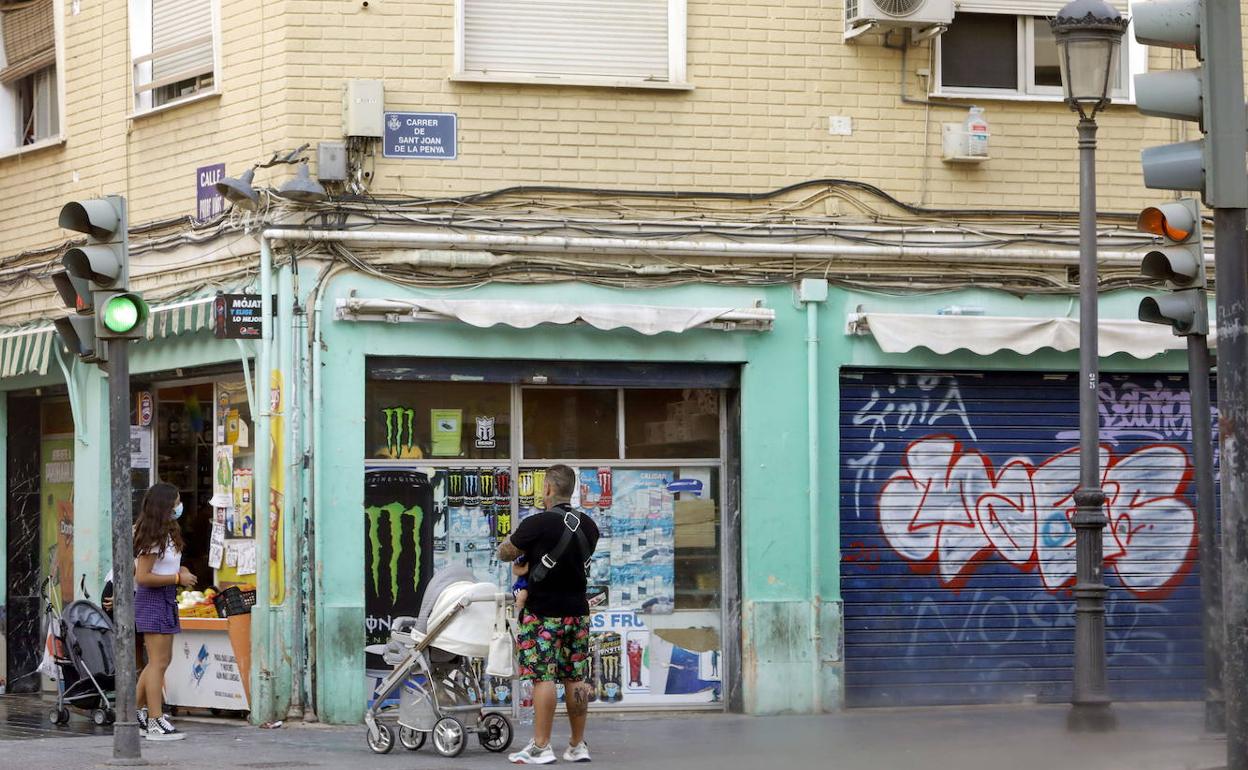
point(976, 131)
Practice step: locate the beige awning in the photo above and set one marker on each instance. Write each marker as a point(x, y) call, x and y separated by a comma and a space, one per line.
point(985, 335)
point(646, 319)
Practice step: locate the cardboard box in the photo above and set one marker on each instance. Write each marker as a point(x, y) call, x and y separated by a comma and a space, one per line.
point(695, 523)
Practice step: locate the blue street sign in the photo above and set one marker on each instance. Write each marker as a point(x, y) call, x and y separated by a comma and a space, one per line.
point(426, 135)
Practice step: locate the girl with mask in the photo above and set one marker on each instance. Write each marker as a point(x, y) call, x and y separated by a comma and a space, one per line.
point(157, 575)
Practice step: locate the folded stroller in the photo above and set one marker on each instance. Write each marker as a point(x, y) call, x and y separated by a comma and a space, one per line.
point(439, 693)
point(80, 644)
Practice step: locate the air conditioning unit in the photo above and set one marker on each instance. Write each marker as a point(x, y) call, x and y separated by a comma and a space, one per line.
point(928, 16)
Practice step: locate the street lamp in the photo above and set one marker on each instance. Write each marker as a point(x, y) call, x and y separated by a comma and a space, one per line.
point(1088, 35)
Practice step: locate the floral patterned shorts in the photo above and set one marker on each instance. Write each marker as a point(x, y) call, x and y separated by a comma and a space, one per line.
point(552, 649)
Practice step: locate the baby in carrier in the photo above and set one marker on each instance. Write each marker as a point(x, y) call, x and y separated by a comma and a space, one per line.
point(520, 589)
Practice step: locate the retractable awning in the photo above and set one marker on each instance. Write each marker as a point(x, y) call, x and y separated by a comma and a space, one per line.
point(646, 319)
point(985, 335)
point(28, 349)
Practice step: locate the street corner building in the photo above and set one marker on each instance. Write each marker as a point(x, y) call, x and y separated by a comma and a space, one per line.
point(802, 321)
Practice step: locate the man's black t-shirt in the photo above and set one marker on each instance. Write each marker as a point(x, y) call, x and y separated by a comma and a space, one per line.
point(561, 594)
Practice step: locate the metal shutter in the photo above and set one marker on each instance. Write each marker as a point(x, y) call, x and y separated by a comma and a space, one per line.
point(602, 38)
point(185, 26)
point(29, 40)
point(957, 554)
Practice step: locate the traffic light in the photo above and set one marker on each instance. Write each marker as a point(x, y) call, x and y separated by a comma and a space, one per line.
point(1179, 261)
point(94, 284)
point(1211, 95)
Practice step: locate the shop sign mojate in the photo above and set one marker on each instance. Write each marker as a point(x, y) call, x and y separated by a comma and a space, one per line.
point(237, 316)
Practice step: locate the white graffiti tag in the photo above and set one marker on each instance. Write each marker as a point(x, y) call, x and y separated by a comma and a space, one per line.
point(948, 510)
point(939, 402)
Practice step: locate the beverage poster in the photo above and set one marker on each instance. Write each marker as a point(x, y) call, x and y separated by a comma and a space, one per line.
point(398, 546)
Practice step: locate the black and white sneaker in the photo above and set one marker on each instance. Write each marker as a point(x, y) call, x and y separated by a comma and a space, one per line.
point(163, 730)
point(141, 717)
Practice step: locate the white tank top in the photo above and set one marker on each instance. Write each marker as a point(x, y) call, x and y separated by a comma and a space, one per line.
point(168, 561)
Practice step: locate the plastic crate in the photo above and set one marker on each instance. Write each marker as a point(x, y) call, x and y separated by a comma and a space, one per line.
point(234, 601)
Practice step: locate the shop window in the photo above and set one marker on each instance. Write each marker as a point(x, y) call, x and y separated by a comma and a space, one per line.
point(571, 423)
point(666, 424)
point(432, 420)
point(696, 525)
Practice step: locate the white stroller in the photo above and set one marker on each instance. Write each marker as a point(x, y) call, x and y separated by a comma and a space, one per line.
point(439, 692)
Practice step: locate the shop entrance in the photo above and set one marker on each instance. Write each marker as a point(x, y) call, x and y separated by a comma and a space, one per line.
point(457, 451)
point(196, 434)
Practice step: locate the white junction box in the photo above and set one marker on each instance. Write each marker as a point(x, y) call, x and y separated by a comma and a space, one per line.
point(363, 108)
point(840, 125)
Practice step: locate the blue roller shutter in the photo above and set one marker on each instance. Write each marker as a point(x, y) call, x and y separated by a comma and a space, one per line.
point(958, 555)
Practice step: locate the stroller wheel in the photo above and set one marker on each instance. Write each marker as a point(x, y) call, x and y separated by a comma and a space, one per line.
point(449, 737)
point(494, 732)
point(58, 716)
point(411, 739)
point(100, 717)
point(384, 740)
point(111, 716)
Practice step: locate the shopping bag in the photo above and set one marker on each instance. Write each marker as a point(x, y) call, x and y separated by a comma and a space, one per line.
point(501, 660)
point(47, 665)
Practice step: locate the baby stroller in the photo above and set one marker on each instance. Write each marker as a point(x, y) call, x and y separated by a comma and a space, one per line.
point(80, 648)
point(438, 691)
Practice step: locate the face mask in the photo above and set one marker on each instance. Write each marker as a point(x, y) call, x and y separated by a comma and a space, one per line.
point(177, 511)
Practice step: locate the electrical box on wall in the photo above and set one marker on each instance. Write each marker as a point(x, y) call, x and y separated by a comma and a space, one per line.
point(331, 161)
point(363, 108)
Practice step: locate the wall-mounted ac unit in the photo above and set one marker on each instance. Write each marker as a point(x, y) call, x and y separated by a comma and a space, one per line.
point(865, 15)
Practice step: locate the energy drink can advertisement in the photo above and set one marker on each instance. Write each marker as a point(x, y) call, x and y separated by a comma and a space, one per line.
point(398, 547)
point(607, 668)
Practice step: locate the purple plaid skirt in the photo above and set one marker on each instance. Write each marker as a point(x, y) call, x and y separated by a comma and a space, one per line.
point(156, 610)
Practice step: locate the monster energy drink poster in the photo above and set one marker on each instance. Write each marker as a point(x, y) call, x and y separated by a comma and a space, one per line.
point(398, 546)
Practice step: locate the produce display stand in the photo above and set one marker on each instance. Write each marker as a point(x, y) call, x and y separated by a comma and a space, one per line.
point(211, 664)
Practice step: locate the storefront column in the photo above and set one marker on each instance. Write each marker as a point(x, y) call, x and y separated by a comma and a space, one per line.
point(93, 539)
point(776, 613)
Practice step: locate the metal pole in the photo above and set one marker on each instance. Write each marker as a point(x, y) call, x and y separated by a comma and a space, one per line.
point(813, 457)
point(261, 630)
point(1090, 700)
point(1232, 307)
point(126, 732)
point(1210, 560)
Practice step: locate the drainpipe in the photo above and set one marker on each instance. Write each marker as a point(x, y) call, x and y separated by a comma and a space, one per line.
point(811, 292)
point(261, 633)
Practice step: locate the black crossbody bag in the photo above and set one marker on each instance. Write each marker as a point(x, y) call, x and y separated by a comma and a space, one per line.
point(571, 529)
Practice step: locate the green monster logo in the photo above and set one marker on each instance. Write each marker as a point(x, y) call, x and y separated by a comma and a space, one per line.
point(396, 512)
point(400, 430)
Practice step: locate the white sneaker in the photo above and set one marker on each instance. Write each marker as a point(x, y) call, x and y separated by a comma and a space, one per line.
point(577, 753)
point(532, 755)
point(162, 729)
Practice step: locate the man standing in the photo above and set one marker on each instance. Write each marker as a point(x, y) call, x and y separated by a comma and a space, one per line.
point(553, 641)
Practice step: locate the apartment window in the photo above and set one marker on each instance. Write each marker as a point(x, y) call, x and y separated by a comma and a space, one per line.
point(633, 43)
point(29, 99)
point(1007, 55)
point(174, 48)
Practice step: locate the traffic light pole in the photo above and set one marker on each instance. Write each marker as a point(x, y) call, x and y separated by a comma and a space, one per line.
point(1090, 709)
point(1232, 328)
point(126, 732)
point(1206, 514)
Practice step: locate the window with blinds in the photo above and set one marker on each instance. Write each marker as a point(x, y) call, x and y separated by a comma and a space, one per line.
point(29, 102)
point(612, 42)
point(174, 49)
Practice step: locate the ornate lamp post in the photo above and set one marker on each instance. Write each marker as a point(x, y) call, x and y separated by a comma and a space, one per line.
point(1088, 35)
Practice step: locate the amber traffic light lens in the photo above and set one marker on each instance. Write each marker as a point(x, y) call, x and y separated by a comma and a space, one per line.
point(1153, 220)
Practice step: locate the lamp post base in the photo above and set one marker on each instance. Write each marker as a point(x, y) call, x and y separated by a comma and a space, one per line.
point(1091, 717)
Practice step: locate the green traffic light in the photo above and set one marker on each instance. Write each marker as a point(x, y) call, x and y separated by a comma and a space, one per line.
point(121, 314)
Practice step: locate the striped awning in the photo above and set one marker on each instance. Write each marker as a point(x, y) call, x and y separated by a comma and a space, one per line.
point(28, 349)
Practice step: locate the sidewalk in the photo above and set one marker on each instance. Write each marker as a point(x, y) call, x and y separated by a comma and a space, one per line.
point(1150, 737)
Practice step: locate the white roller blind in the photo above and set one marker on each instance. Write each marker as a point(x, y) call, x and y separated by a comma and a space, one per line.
point(596, 38)
point(176, 23)
point(1024, 7)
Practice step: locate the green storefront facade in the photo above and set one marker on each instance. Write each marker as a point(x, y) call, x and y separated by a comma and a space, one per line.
point(771, 606)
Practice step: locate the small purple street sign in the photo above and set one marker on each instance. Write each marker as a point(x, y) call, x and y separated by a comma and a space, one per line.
point(208, 202)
